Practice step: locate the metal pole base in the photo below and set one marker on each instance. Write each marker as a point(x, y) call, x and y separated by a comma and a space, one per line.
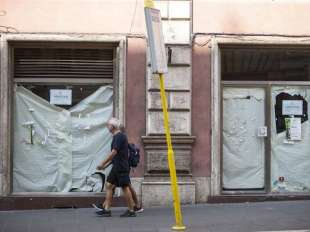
point(179, 228)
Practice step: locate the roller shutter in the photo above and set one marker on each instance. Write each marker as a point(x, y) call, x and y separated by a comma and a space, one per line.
point(63, 63)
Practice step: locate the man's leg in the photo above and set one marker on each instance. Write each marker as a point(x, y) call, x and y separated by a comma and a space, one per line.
point(106, 212)
point(138, 206)
point(134, 196)
point(109, 195)
point(101, 206)
point(124, 182)
point(128, 197)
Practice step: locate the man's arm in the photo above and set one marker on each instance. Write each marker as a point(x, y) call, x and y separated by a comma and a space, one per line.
point(107, 161)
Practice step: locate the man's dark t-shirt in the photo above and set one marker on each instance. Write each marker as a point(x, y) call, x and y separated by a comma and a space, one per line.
point(120, 160)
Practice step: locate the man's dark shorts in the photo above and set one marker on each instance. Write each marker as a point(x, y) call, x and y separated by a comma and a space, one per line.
point(119, 179)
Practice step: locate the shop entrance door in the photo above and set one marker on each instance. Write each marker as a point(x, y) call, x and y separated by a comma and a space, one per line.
point(244, 134)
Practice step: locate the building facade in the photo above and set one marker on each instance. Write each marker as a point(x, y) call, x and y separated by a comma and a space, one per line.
point(237, 91)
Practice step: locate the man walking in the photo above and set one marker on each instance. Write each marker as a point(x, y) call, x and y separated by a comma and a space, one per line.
point(119, 175)
point(137, 206)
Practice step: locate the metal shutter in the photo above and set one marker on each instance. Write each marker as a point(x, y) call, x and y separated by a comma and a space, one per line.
point(63, 63)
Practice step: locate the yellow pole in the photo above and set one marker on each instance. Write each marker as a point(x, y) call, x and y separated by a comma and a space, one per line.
point(149, 3)
point(173, 176)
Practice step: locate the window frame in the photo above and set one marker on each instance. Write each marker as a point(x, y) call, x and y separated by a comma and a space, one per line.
point(10, 41)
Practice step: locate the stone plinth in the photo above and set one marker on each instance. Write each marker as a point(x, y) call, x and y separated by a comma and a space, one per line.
point(156, 187)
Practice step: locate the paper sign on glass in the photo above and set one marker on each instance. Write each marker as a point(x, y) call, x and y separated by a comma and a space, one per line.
point(61, 96)
point(293, 129)
point(292, 107)
point(156, 40)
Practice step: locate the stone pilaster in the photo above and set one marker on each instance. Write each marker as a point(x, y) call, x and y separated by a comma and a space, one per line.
point(156, 184)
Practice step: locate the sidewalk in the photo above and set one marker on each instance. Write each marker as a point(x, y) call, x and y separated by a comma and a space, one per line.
point(266, 216)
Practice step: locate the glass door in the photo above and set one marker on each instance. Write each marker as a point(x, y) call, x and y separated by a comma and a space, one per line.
point(244, 133)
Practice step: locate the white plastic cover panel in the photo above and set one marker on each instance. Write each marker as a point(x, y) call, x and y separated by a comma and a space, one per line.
point(91, 140)
point(243, 149)
point(290, 160)
point(55, 150)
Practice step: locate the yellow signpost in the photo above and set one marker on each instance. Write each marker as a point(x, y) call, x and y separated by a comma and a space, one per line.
point(149, 3)
point(171, 161)
point(173, 176)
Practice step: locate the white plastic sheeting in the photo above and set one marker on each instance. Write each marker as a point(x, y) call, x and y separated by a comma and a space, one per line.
point(243, 150)
point(55, 150)
point(291, 161)
point(91, 140)
point(45, 165)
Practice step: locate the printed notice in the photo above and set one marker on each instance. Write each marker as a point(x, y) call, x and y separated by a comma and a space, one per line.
point(292, 107)
point(293, 129)
point(61, 96)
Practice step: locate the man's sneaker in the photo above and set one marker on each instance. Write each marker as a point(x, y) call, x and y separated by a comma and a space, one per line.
point(104, 213)
point(97, 206)
point(138, 209)
point(128, 213)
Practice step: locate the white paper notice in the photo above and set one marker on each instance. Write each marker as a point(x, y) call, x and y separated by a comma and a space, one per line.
point(295, 129)
point(61, 96)
point(292, 107)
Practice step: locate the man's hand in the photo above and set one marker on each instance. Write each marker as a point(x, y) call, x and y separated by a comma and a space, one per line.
point(100, 167)
point(107, 161)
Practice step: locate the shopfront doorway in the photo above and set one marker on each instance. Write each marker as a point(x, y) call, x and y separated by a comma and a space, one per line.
point(265, 94)
point(243, 142)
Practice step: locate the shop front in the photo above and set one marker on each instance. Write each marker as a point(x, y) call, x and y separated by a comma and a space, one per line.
point(263, 139)
point(57, 93)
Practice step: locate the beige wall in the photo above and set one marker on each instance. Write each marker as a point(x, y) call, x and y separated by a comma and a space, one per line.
point(252, 16)
point(117, 16)
point(77, 16)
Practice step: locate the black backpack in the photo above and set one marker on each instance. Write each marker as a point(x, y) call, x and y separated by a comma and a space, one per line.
point(133, 155)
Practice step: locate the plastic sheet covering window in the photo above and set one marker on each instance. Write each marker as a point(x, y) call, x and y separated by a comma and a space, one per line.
point(243, 150)
point(290, 161)
point(56, 150)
